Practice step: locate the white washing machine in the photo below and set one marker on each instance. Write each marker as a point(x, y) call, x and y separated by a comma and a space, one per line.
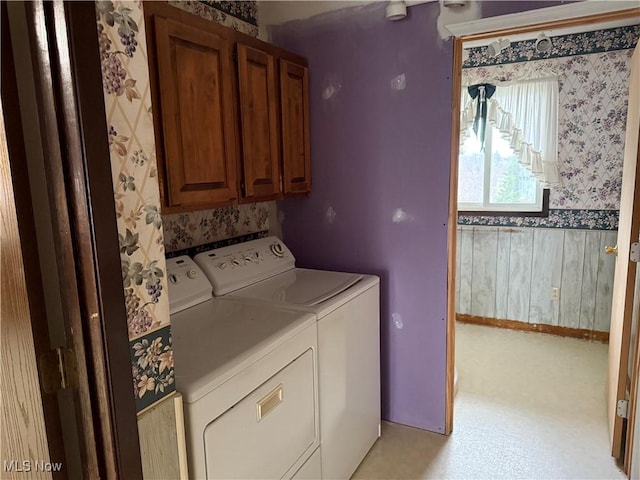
point(248, 377)
point(347, 307)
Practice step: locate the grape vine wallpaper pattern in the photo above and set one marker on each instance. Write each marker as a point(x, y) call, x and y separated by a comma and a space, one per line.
point(125, 76)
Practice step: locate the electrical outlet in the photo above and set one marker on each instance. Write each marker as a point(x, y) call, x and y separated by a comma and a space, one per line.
point(555, 293)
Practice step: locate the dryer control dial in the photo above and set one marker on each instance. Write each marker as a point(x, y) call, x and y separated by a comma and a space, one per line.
point(192, 273)
point(277, 249)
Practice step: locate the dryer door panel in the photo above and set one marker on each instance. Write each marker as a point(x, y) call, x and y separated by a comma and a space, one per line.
point(264, 434)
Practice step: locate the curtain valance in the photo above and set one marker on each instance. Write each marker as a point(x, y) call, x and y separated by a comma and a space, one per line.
point(526, 114)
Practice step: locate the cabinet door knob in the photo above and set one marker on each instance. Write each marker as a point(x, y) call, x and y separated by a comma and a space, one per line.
point(611, 250)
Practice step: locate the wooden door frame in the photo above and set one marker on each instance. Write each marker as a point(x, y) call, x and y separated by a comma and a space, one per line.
point(631, 288)
point(16, 157)
point(453, 183)
point(31, 426)
point(72, 120)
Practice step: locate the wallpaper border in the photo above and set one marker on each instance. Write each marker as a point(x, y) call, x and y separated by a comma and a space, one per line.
point(192, 251)
point(598, 41)
point(565, 219)
point(242, 10)
point(152, 367)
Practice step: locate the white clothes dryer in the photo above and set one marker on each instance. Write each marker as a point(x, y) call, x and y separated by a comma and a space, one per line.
point(347, 308)
point(248, 376)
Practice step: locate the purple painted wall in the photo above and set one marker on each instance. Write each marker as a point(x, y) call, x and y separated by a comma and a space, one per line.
point(376, 149)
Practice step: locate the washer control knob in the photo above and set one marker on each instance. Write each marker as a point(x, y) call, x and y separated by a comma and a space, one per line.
point(248, 259)
point(222, 265)
point(236, 262)
point(192, 273)
point(173, 278)
point(277, 249)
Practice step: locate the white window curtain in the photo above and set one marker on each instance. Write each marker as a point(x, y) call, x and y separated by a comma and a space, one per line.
point(526, 113)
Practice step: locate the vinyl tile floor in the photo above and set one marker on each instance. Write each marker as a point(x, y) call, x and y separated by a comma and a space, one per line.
point(528, 406)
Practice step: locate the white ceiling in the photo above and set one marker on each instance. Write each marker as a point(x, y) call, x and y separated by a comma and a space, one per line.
point(276, 12)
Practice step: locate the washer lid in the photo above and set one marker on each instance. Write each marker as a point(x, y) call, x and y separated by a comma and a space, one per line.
point(214, 340)
point(300, 287)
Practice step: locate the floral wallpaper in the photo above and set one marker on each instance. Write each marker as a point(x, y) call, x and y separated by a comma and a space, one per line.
point(152, 367)
point(593, 75)
point(598, 41)
point(187, 230)
point(239, 15)
point(125, 78)
point(225, 242)
point(133, 161)
point(567, 219)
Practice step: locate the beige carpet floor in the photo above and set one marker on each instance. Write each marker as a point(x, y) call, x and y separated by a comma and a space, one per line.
point(528, 406)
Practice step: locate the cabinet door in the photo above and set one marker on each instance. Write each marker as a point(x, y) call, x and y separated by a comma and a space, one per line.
point(294, 99)
point(259, 121)
point(196, 102)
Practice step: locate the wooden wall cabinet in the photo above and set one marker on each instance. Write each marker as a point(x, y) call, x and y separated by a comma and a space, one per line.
point(231, 113)
point(260, 131)
point(197, 114)
point(294, 99)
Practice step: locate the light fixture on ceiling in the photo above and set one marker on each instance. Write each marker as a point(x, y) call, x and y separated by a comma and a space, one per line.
point(543, 43)
point(396, 10)
point(495, 47)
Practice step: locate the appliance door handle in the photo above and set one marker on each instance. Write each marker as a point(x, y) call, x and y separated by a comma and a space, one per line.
point(269, 402)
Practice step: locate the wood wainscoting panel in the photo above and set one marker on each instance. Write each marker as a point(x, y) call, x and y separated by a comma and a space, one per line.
point(520, 255)
point(465, 269)
point(502, 273)
point(589, 282)
point(509, 272)
point(162, 440)
point(571, 284)
point(604, 285)
point(483, 279)
point(548, 247)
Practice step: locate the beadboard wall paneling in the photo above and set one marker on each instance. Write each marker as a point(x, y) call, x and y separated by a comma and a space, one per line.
point(604, 283)
point(589, 281)
point(546, 272)
point(520, 257)
point(508, 273)
point(571, 285)
point(464, 264)
point(502, 272)
point(484, 268)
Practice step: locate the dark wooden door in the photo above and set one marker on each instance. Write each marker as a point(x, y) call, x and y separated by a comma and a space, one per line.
point(259, 123)
point(28, 417)
point(197, 114)
point(294, 99)
point(66, 221)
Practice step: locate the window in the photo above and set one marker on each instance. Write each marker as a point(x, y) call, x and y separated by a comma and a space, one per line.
point(493, 179)
point(519, 157)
